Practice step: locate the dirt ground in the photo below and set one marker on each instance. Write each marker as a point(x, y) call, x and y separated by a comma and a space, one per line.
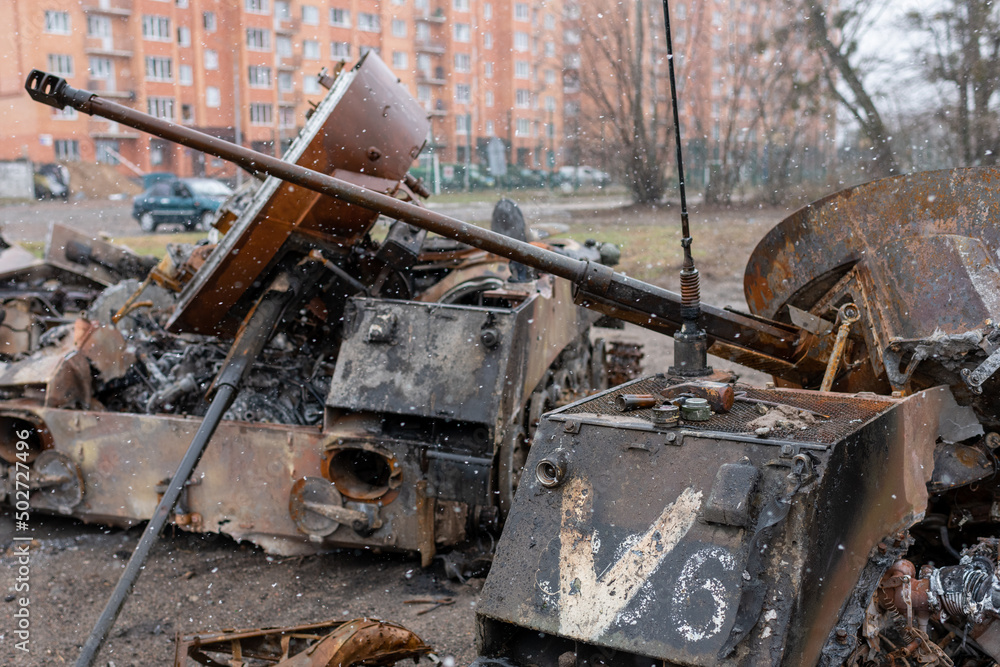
point(195, 582)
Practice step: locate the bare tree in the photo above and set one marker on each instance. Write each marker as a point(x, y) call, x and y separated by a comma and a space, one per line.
point(962, 53)
point(835, 38)
point(624, 93)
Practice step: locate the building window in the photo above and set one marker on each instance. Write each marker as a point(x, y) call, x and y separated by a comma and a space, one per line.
point(399, 60)
point(462, 32)
point(285, 82)
point(463, 62)
point(100, 68)
point(282, 10)
point(187, 113)
point(489, 98)
point(104, 151)
point(213, 98)
point(463, 94)
point(340, 50)
point(460, 5)
point(283, 45)
point(286, 116)
point(487, 40)
point(522, 70)
point(161, 107)
point(310, 15)
point(488, 11)
point(156, 28)
point(521, 11)
point(550, 77)
point(258, 39)
point(257, 6)
point(67, 149)
point(208, 22)
point(98, 26)
point(57, 23)
point(365, 50)
point(260, 114)
point(340, 18)
point(571, 61)
point(550, 49)
point(680, 11)
point(522, 128)
point(550, 103)
point(571, 36)
point(369, 22)
point(423, 32)
point(522, 99)
point(61, 64)
point(185, 75)
point(398, 28)
point(159, 69)
point(259, 76)
point(488, 70)
point(310, 49)
point(462, 124)
point(184, 36)
point(310, 85)
point(571, 11)
point(211, 59)
point(521, 42)
point(182, 4)
point(423, 92)
point(550, 22)
point(490, 129)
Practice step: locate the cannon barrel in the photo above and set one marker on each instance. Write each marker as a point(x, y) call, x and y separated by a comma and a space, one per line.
point(775, 346)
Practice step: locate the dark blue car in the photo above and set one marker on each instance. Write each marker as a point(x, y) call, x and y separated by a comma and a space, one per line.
point(191, 202)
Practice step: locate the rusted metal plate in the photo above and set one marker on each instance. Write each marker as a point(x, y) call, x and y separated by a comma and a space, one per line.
point(464, 363)
point(804, 255)
point(619, 554)
point(367, 130)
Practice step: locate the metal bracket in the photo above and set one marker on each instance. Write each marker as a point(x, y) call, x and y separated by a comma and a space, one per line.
point(982, 372)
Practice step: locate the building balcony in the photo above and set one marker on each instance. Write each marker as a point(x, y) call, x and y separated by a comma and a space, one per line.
point(287, 26)
point(111, 52)
point(437, 16)
point(109, 7)
point(430, 78)
point(428, 46)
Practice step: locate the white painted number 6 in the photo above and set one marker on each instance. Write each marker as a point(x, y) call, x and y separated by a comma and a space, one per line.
point(691, 583)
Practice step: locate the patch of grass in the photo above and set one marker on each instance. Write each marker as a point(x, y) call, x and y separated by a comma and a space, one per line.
point(156, 244)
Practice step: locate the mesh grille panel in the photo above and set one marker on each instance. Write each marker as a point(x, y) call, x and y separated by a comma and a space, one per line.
point(845, 413)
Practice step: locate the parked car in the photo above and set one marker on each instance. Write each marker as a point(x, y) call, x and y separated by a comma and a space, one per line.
point(51, 182)
point(191, 202)
point(570, 177)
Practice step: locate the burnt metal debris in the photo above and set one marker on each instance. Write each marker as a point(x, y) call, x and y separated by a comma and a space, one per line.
point(362, 641)
point(716, 524)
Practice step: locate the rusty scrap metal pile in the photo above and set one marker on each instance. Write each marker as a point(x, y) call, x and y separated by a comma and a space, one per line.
point(846, 515)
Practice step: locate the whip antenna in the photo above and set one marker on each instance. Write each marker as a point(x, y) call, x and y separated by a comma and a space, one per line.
point(690, 343)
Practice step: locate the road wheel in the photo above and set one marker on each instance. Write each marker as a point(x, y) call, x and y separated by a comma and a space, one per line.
point(147, 222)
point(205, 221)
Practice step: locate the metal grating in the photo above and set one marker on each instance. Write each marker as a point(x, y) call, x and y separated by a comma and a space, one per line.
point(846, 413)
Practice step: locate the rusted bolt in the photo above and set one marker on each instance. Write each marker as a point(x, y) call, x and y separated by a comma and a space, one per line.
point(993, 440)
point(882, 548)
point(841, 635)
point(374, 153)
point(182, 519)
point(195, 519)
point(489, 337)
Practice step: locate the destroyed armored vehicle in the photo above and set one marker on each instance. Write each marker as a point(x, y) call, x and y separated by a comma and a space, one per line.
point(846, 515)
point(390, 408)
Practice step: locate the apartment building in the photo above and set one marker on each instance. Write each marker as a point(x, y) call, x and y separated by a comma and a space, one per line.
point(246, 71)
